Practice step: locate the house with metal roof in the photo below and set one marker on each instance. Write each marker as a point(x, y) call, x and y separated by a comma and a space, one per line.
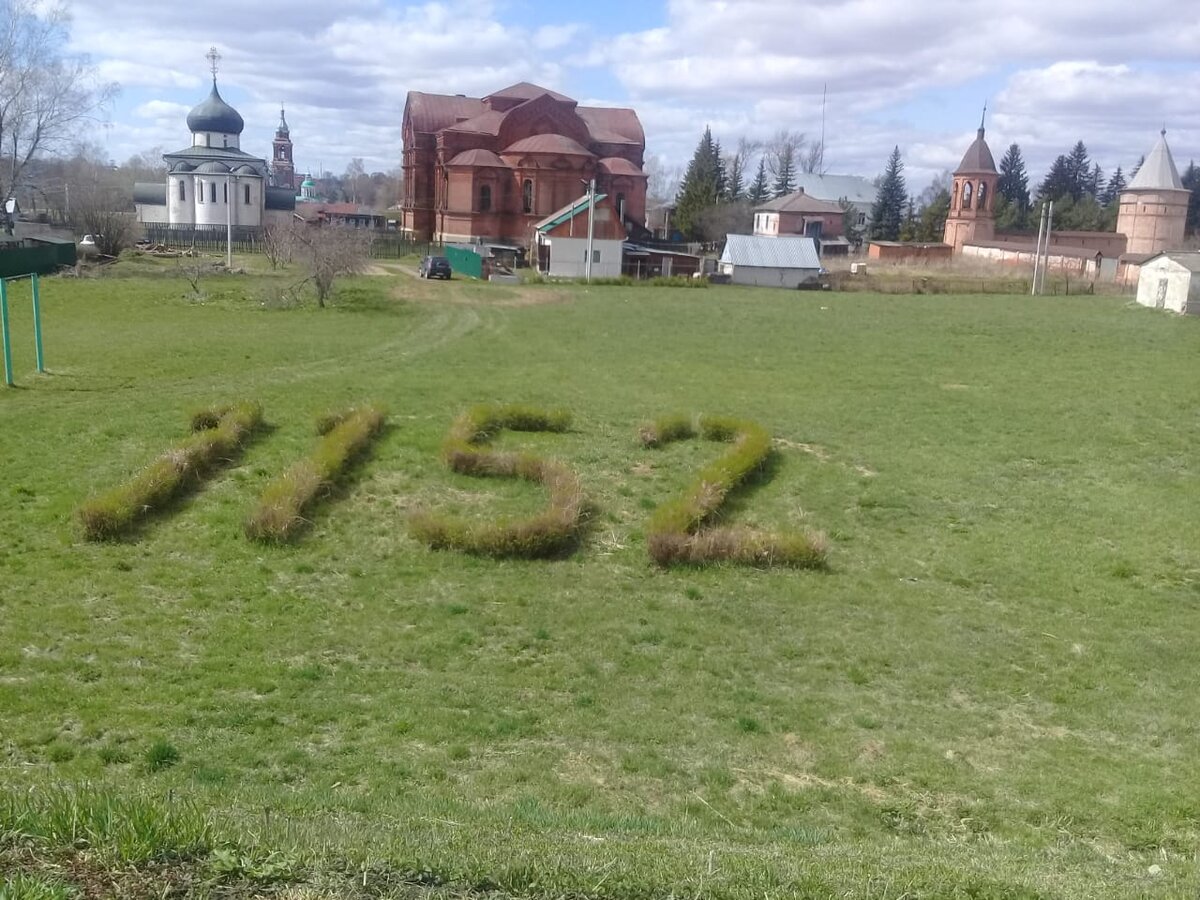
point(858, 192)
point(787, 261)
point(213, 183)
point(799, 213)
point(561, 240)
point(490, 169)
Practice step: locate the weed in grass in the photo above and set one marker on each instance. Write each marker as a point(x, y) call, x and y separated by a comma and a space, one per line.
point(345, 435)
point(113, 755)
point(21, 886)
point(161, 755)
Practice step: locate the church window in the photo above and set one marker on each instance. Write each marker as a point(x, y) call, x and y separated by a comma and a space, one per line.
point(485, 197)
point(981, 200)
point(246, 194)
point(182, 189)
point(954, 201)
point(225, 192)
point(212, 191)
point(199, 191)
point(621, 205)
point(966, 204)
point(527, 196)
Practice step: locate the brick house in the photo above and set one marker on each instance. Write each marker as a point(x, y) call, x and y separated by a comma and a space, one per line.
point(799, 214)
point(491, 168)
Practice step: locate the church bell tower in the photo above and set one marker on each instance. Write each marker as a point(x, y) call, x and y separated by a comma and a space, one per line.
point(283, 170)
point(973, 197)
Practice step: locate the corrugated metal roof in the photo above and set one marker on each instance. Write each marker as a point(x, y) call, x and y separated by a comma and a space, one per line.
point(833, 188)
point(800, 202)
point(787, 252)
point(1158, 172)
point(567, 212)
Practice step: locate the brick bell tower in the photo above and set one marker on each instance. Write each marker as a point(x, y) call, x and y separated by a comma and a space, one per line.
point(972, 215)
point(283, 170)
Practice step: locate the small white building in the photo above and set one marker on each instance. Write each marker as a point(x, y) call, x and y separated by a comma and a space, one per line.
point(1171, 281)
point(787, 261)
point(561, 242)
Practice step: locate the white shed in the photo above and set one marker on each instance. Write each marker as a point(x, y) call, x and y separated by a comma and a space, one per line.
point(786, 261)
point(1171, 281)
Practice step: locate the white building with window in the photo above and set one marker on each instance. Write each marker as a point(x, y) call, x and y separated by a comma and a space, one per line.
point(213, 182)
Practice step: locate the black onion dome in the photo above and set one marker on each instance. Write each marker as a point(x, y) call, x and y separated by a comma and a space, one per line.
point(214, 114)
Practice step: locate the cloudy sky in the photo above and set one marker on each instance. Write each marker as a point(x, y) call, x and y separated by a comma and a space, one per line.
point(913, 74)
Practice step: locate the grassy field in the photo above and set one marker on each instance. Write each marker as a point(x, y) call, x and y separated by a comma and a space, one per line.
point(990, 692)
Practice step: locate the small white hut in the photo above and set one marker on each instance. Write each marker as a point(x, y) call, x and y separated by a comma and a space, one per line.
point(1171, 280)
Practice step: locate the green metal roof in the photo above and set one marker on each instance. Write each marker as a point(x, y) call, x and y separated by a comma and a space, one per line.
point(567, 213)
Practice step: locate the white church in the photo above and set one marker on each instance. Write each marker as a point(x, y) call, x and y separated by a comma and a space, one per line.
point(214, 183)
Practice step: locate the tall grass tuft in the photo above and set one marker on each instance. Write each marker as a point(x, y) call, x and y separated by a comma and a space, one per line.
point(117, 826)
point(676, 534)
point(553, 532)
point(345, 435)
point(218, 435)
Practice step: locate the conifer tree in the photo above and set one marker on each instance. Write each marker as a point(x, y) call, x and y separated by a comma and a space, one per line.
point(759, 191)
point(1112, 191)
point(887, 214)
point(1137, 167)
point(1191, 181)
point(785, 175)
point(1013, 184)
point(700, 189)
point(1058, 182)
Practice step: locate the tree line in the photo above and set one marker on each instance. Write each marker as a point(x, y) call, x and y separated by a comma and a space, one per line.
point(721, 187)
point(1085, 198)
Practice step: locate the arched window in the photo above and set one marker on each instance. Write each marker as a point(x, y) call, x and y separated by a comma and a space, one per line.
point(212, 188)
point(485, 197)
point(954, 200)
point(981, 199)
point(199, 191)
point(182, 188)
point(246, 193)
point(527, 196)
point(225, 192)
point(966, 195)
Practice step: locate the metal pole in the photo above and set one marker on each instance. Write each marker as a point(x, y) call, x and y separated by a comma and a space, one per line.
point(8, 376)
point(1037, 253)
point(37, 323)
point(228, 224)
point(591, 228)
point(1049, 230)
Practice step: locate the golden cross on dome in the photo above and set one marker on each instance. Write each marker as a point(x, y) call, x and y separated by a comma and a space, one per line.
point(214, 61)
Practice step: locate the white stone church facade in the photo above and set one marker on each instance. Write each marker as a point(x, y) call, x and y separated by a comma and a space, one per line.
point(214, 183)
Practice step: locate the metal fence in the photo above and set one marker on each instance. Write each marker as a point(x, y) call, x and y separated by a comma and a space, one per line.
point(384, 245)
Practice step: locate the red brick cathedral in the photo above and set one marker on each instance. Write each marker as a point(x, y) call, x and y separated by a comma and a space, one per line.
point(490, 168)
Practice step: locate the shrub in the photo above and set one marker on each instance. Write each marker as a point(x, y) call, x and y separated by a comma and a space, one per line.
point(218, 435)
point(161, 755)
point(674, 535)
point(344, 436)
point(552, 532)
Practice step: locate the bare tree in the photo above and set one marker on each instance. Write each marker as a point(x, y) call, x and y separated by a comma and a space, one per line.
point(738, 168)
point(279, 243)
point(784, 150)
point(45, 93)
point(662, 181)
point(328, 252)
point(355, 179)
point(812, 160)
point(105, 212)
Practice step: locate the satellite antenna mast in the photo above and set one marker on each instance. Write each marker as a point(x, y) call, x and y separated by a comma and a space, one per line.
point(821, 158)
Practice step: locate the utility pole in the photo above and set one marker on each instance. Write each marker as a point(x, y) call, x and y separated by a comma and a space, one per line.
point(587, 268)
point(229, 222)
point(1046, 258)
point(1037, 252)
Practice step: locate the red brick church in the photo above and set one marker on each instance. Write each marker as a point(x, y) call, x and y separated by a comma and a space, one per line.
point(491, 168)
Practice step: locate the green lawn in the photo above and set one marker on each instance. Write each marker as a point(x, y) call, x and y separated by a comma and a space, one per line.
point(989, 693)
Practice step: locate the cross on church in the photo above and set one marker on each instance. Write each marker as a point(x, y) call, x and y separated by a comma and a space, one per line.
point(214, 61)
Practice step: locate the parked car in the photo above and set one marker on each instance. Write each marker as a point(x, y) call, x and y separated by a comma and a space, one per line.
point(89, 243)
point(435, 267)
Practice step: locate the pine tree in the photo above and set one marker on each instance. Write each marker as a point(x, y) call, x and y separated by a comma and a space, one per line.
point(1079, 170)
point(735, 180)
point(851, 230)
point(719, 164)
point(1095, 184)
point(1191, 181)
point(932, 225)
point(785, 176)
point(888, 212)
point(759, 191)
point(1112, 191)
point(1014, 183)
point(1058, 182)
point(700, 188)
